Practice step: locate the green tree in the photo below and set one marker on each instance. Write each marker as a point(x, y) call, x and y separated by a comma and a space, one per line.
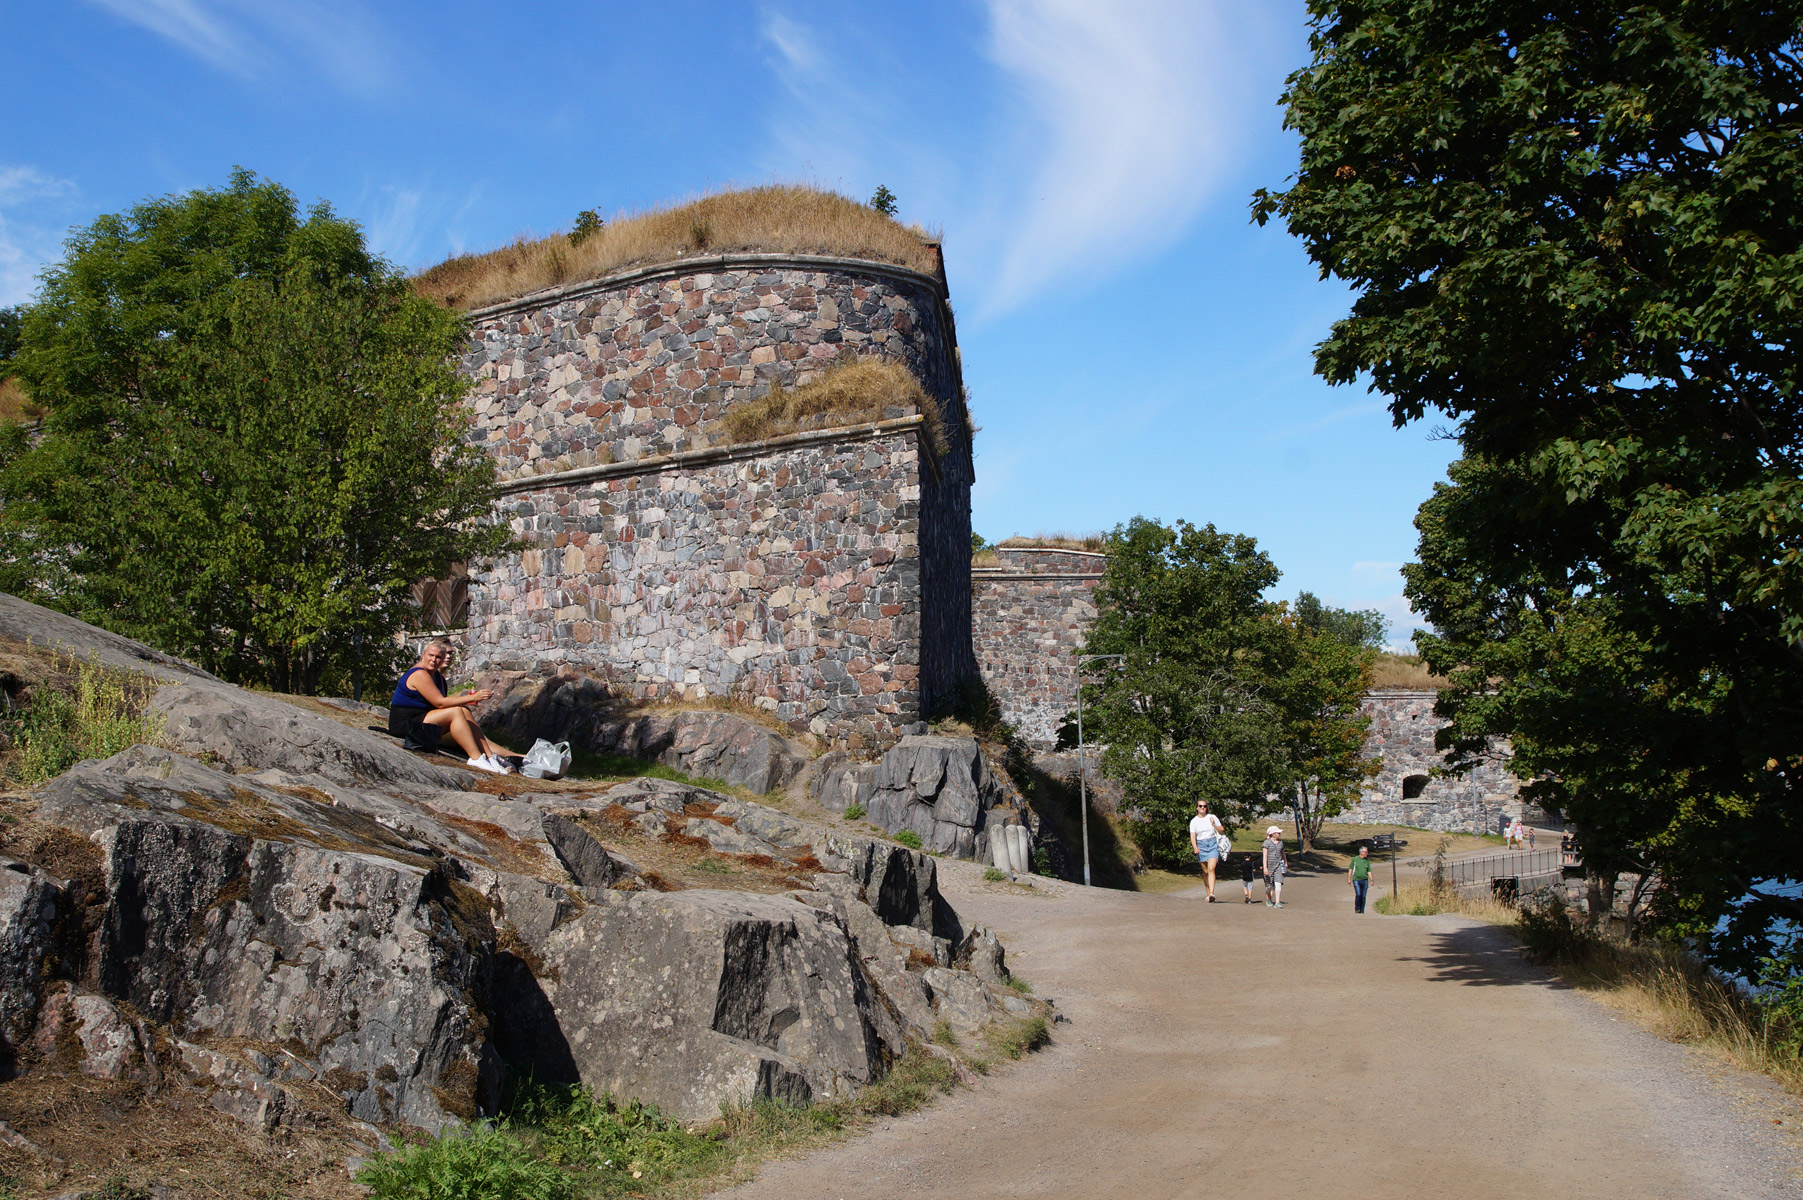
point(11, 320)
point(1189, 713)
point(254, 443)
point(1577, 231)
point(1327, 673)
point(883, 200)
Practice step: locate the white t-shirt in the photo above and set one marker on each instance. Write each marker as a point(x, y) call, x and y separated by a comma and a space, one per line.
point(1203, 828)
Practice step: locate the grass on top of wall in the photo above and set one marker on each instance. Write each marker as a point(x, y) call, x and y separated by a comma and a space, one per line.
point(1404, 672)
point(777, 218)
point(847, 394)
point(1095, 543)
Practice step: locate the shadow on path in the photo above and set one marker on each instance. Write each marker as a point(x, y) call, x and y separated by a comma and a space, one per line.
point(1481, 956)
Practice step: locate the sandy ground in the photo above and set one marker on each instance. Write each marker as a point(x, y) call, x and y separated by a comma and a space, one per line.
point(1238, 1050)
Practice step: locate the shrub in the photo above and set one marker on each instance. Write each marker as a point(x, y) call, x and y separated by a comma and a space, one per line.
point(909, 838)
point(100, 714)
point(994, 875)
point(854, 812)
point(588, 224)
point(477, 1164)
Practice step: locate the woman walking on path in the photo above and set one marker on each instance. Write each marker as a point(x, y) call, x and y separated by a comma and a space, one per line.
point(1358, 874)
point(420, 713)
point(1274, 866)
point(1205, 833)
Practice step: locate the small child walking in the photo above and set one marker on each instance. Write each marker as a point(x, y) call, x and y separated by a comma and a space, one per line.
point(1272, 853)
point(1248, 872)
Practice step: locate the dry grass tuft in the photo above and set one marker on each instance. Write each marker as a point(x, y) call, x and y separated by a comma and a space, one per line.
point(847, 394)
point(1405, 672)
point(1667, 991)
point(16, 403)
point(1095, 543)
point(1424, 900)
point(778, 218)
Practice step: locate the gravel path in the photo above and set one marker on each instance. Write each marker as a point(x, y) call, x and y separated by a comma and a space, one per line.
point(1227, 1049)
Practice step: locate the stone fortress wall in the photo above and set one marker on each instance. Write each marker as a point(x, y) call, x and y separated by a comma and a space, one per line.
point(1031, 613)
point(822, 575)
point(1033, 610)
point(1406, 792)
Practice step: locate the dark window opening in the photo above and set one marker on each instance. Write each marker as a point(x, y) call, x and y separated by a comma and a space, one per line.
point(1413, 786)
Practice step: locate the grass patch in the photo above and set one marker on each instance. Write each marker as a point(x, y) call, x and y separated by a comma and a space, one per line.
point(779, 218)
point(994, 875)
point(1422, 900)
point(589, 764)
point(854, 812)
point(848, 394)
point(1404, 672)
point(79, 709)
point(469, 1164)
point(909, 838)
point(1095, 543)
point(564, 1142)
point(17, 406)
point(1668, 991)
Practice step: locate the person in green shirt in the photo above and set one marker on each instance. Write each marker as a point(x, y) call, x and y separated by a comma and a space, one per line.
point(1359, 876)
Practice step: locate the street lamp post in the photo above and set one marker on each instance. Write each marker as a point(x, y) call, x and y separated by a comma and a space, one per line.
point(1082, 760)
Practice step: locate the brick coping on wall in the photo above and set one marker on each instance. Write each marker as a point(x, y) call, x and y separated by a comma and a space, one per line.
point(717, 264)
point(713, 455)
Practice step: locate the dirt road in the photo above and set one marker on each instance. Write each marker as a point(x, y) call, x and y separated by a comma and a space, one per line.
point(1233, 1050)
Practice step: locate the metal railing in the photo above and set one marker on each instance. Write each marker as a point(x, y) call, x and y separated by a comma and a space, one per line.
point(1520, 864)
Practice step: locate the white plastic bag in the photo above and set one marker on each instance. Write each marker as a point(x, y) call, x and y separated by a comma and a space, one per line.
point(546, 760)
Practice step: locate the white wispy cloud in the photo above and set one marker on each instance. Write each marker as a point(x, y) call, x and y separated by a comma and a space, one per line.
point(34, 212)
point(1130, 107)
point(249, 38)
point(1099, 133)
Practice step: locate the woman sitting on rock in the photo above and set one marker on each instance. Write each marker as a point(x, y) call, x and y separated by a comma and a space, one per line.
point(420, 712)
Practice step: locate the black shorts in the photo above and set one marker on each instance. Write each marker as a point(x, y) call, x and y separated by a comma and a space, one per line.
point(409, 724)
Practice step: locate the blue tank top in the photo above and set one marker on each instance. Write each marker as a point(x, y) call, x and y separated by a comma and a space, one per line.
point(406, 697)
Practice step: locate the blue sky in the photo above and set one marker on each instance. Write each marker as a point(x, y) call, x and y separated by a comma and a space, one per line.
point(1132, 343)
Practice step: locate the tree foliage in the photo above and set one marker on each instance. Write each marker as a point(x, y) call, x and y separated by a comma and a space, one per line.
point(254, 443)
point(1189, 712)
point(1327, 671)
point(1577, 230)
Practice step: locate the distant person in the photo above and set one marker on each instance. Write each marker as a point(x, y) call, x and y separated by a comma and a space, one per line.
point(1530, 837)
point(1358, 874)
point(420, 712)
point(1502, 826)
point(1248, 872)
point(1274, 865)
point(1205, 833)
point(1515, 835)
point(1568, 848)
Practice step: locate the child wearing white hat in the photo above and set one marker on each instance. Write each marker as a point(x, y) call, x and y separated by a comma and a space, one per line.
point(1274, 865)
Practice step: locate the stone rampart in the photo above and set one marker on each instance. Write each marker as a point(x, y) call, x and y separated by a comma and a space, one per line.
point(1407, 792)
point(823, 575)
point(1030, 615)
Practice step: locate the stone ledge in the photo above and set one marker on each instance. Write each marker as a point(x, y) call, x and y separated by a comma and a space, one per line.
point(714, 264)
point(992, 575)
point(711, 456)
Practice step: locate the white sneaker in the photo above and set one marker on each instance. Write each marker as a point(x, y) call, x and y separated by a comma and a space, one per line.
point(488, 764)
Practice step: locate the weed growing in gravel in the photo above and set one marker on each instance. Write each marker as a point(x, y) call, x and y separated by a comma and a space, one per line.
point(854, 812)
point(994, 875)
